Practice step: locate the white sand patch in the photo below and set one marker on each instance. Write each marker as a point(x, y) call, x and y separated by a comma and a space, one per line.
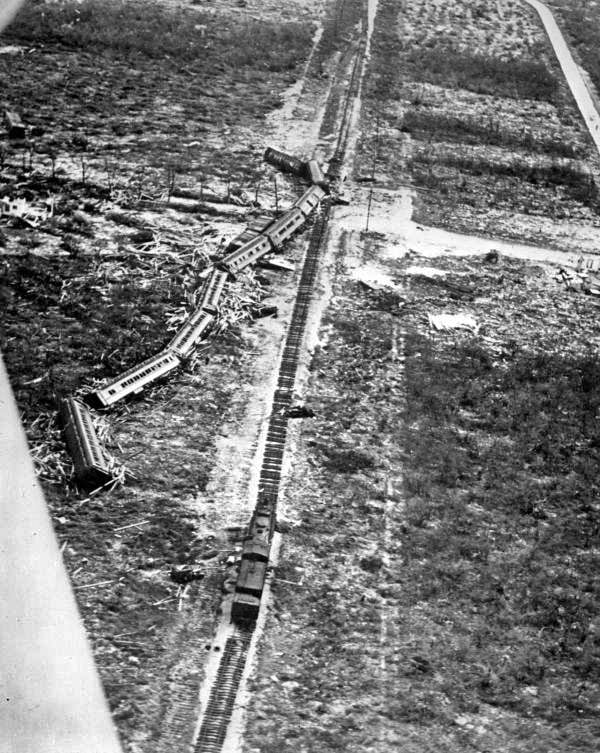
point(372, 275)
point(447, 322)
point(12, 49)
point(425, 271)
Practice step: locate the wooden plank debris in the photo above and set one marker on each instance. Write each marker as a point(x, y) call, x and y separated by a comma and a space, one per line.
point(14, 125)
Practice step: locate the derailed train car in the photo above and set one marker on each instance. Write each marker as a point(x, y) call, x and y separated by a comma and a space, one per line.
point(274, 234)
point(314, 173)
point(190, 334)
point(134, 380)
point(284, 161)
point(246, 255)
point(309, 200)
point(89, 460)
point(195, 329)
point(202, 319)
point(210, 294)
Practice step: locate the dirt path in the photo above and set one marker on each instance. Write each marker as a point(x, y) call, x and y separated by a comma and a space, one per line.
point(571, 70)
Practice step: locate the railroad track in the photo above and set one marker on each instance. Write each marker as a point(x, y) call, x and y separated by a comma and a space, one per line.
point(223, 693)
point(219, 709)
point(217, 714)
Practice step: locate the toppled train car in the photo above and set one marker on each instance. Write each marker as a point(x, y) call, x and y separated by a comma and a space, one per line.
point(89, 460)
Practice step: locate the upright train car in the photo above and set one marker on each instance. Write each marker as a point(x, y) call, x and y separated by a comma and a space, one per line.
point(254, 565)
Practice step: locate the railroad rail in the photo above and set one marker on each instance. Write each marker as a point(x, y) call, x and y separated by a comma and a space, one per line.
point(217, 714)
point(223, 693)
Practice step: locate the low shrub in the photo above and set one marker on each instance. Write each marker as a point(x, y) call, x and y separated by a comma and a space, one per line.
point(424, 124)
point(515, 78)
point(153, 30)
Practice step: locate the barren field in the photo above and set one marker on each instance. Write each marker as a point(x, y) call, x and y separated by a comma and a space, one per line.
point(436, 584)
point(477, 117)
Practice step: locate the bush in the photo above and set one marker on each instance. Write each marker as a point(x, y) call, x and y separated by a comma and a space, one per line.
point(155, 31)
point(575, 178)
point(483, 74)
point(424, 124)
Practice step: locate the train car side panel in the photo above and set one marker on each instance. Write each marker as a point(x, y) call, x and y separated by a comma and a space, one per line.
point(136, 379)
point(189, 335)
point(91, 469)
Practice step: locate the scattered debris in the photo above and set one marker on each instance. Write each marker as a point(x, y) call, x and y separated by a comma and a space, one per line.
point(132, 525)
point(262, 311)
point(277, 264)
point(580, 282)
point(425, 271)
point(445, 322)
point(14, 125)
point(184, 574)
point(93, 585)
point(300, 411)
point(588, 264)
point(27, 213)
point(341, 199)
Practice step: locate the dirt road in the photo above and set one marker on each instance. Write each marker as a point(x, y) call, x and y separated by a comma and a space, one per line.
point(571, 71)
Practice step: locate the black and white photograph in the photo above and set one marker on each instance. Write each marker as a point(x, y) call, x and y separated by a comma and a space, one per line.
point(300, 376)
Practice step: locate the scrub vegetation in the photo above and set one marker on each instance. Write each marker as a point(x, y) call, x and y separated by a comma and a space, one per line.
point(446, 593)
point(479, 120)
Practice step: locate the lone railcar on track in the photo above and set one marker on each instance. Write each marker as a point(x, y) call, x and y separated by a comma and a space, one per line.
point(254, 564)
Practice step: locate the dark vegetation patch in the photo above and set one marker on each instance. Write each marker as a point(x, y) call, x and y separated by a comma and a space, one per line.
point(85, 91)
point(62, 328)
point(465, 556)
point(427, 125)
point(446, 65)
point(574, 178)
point(500, 453)
point(151, 29)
